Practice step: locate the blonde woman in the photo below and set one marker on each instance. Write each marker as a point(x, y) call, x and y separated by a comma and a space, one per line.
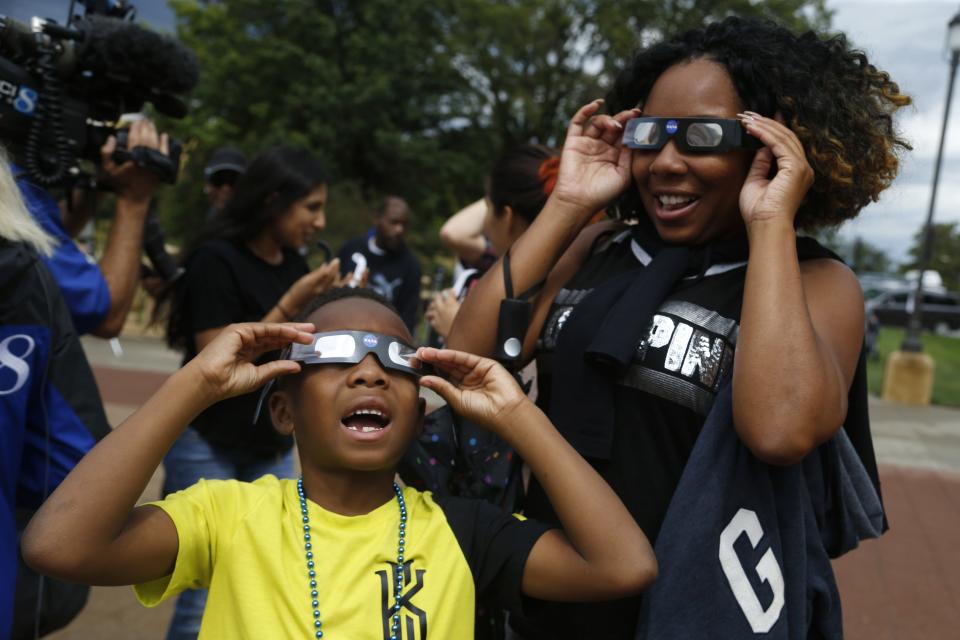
point(50, 409)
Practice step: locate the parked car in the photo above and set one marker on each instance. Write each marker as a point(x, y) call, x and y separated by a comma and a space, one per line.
point(874, 283)
point(932, 280)
point(941, 311)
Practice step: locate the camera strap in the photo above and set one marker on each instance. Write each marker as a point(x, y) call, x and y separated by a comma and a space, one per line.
point(514, 318)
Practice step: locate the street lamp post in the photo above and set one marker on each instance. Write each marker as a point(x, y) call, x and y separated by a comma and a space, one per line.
point(911, 341)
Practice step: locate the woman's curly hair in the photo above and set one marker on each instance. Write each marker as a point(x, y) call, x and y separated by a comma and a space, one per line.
point(839, 105)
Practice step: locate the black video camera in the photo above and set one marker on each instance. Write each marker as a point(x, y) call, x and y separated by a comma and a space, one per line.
point(64, 88)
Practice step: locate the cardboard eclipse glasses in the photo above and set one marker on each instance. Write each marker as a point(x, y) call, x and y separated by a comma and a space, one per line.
point(349, 347)
point(697, 135)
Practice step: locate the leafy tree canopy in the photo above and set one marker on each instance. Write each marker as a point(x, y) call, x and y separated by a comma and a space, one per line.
point(945, 254)
point(416, 97)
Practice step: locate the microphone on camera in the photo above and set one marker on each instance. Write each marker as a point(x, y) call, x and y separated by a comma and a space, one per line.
point(157, 64)
point(113, 51)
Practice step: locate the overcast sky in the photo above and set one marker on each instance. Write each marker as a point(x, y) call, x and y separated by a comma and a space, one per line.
point(907, 38)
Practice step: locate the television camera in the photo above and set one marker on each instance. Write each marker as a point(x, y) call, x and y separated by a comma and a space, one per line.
point(64, 88)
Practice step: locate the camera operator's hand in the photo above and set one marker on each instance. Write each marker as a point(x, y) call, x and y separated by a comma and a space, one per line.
point(128, 180)
point(134, 187)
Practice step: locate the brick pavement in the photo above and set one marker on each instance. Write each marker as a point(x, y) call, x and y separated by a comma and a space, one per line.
point(905, 586)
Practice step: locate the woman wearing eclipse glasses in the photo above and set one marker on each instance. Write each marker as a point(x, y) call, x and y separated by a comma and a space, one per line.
point(705, 356)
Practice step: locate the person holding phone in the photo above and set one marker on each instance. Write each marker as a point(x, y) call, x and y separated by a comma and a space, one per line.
point(381, 259)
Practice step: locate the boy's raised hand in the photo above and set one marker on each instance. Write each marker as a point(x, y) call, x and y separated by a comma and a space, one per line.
point(578, 564)
point(111, 541)
point(479, 389)
point(227, 366)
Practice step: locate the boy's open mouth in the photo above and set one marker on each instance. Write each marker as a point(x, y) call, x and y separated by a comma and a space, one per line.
point(368, 417)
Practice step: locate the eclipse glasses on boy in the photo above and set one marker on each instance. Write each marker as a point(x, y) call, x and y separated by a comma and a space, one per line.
point(698, 135)
point(349, 347)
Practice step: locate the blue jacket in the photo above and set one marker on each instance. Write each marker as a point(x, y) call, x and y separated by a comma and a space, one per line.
point(80, 280)
point(745, 547)
point(50, 409)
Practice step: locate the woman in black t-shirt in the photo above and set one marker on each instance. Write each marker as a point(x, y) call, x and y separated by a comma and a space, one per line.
point(245, 268)
point(725, 141)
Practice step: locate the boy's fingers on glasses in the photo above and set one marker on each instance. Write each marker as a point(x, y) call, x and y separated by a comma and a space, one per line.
point(426, 354)
point(298, 331)
point(451, 369)
point(460, 371)
point(438, 384)
point(276, 368)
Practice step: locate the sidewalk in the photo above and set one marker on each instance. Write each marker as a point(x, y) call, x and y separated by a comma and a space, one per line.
point(904, 586)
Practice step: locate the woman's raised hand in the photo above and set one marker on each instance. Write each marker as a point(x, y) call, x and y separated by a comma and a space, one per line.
point(594, 164)
point(226, 365)
point(441, 312)
point(308, 287)
point(765, 199)
point(478, 389)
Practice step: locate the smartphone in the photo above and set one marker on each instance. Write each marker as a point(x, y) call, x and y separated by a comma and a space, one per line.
point(360, 261)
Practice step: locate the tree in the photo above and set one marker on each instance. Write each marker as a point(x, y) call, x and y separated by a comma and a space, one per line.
point(365, 85)
point(859, 254)
point(532, 63)
point(865, 257)
point(945, 257)
point(415, 97)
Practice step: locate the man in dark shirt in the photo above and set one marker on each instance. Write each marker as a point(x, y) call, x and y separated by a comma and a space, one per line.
point(394, 272)
point(225, 165)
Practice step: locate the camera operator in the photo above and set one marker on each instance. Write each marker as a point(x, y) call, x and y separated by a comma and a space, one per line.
point(99, 296)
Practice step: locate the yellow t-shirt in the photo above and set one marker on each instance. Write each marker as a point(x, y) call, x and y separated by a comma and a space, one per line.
point(244, 541)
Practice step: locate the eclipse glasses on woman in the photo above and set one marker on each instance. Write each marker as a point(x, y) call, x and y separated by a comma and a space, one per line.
point(698, 135)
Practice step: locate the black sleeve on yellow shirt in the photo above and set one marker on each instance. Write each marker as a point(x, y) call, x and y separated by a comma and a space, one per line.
point(496, 545)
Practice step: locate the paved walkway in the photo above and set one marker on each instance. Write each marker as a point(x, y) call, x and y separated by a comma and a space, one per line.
point(905, 586)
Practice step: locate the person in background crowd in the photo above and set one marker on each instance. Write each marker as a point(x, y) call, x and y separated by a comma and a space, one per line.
point(463, 235)
point(709, 311)
point(50, 411)
point(245, 267)
point(475, 463)
point(517, 189)
point(225, 166)
point(392, 269)
point(99, 295)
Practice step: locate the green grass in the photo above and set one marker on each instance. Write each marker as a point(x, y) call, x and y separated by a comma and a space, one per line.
point(945, 352)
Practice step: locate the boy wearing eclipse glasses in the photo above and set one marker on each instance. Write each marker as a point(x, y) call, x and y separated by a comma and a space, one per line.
point(343, 552)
